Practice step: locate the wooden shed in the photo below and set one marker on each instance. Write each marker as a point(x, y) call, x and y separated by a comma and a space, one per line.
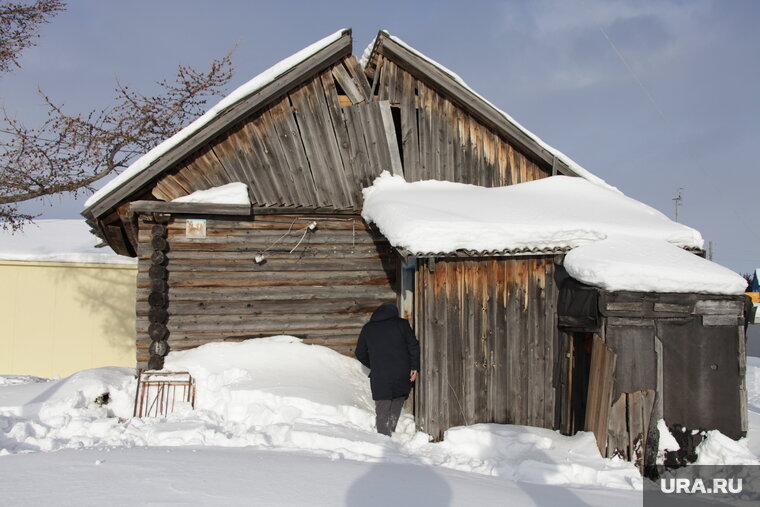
point(305, 138)
point(629, 359)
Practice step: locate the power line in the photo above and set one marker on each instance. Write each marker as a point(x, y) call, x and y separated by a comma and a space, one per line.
point(623, 60)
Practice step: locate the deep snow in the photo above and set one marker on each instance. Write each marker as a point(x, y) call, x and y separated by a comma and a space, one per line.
point(278, 422)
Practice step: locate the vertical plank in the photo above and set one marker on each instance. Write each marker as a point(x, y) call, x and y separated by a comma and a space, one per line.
point(347, 172)
point(458, 145)
point(279, 166)
point(359, 154)
point(236, 153)
point(371, 122)
point(635, 424)
point(332, 149)
point(600, 392)
point(742, 360)
point(434, 379)
point(383, 92)
point(284, 123)
point(264, 145)
point(315, 146)
point(410, 142)
point(352, 64)
point(391, 82)
point(447, 403)
point(617, 432)
point(426, 145)
point(346, 81)
point(390, 143)
point(551, 345)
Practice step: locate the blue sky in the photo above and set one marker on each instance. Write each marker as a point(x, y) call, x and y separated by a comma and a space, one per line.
point(684, 112)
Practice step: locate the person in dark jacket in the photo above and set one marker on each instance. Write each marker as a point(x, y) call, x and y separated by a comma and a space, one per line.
point(388, 347)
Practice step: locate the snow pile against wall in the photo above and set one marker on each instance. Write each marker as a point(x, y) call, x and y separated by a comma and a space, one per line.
point(280, 394)
point(618, 243)
point(258, 82)
point(56, 241)
point(231, 193)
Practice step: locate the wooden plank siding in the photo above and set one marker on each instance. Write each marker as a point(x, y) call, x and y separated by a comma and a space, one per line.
point(320, 286)
point(303, 150)
point(488, 344)
point(440, 140)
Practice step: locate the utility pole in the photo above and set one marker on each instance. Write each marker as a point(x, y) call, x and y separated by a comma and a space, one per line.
point(678, 200)
point(709, 250)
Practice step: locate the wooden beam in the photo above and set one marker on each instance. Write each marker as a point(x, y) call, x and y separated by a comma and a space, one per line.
point(190, 208)
point(260, 98)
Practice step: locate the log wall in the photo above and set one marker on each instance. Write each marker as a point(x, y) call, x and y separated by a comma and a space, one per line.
point(488, 334)
point(320, 286)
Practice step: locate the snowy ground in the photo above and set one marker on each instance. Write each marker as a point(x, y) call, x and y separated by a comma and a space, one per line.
point(282, 423)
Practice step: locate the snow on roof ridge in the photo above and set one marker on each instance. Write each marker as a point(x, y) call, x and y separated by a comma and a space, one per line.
point(574, 166)
point(248, 88)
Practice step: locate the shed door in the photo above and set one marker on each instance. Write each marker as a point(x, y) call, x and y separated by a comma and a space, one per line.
point(487, 333)
point(701, 377)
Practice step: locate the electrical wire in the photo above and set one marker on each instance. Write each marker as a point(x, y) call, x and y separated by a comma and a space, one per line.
point(623, 60)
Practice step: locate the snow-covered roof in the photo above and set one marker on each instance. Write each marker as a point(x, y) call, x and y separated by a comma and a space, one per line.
point(559, 212)
point(246, 90)
point(649, 265)
point(56, 241)
point(621, 243)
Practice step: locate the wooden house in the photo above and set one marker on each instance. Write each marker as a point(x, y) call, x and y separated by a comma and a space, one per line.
point(306, 137)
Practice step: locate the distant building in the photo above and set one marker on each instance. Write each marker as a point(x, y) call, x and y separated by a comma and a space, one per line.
point(65, 306)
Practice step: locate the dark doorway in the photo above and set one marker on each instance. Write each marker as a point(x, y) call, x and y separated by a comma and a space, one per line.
point(580, 369)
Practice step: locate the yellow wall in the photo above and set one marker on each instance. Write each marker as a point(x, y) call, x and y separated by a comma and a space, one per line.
point(58, 318)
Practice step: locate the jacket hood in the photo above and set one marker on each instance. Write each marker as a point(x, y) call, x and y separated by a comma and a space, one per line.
point(384, 312)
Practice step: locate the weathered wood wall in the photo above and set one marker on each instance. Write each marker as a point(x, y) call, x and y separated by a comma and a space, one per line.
point(440, 140)
point(316, 146)
point(677, 356)
point(488, 335)
point(321, 286)
point(319, 145)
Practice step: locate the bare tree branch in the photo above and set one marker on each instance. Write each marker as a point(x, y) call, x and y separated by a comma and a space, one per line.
point(71, 151)
point(19, 26)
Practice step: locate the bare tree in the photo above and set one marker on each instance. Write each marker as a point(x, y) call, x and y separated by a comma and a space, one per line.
point(69, 152)
point(19, 26)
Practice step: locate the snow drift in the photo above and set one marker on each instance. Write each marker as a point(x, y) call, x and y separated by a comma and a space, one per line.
point(280, 394)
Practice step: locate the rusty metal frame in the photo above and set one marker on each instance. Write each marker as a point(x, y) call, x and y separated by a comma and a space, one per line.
point(157, 397)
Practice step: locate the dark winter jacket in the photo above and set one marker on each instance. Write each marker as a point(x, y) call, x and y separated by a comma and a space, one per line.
point(388, 347)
